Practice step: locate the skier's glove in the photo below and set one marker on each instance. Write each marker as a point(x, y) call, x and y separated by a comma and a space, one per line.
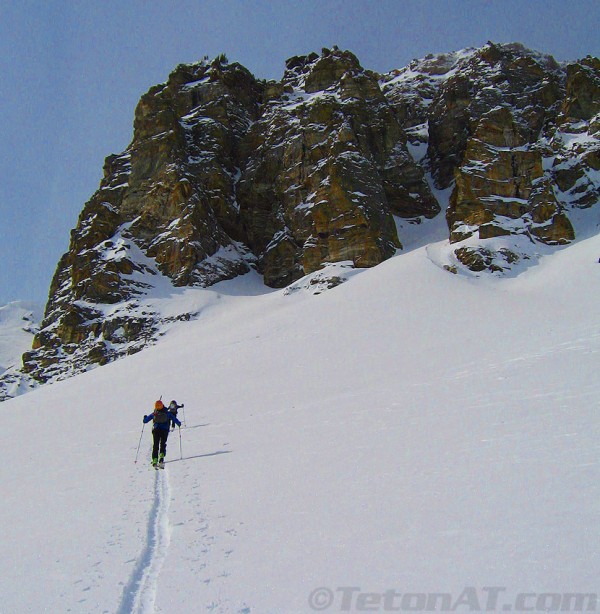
point(144, 418)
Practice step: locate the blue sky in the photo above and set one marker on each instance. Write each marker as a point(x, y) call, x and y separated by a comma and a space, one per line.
point(73, 71)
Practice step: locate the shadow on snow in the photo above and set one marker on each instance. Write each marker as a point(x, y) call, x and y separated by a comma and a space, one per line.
point(176, 460)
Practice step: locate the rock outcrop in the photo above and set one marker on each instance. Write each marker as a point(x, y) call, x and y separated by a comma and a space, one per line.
point(166, 207)
point(227, 173)
point(512, 134)
point(327, 168)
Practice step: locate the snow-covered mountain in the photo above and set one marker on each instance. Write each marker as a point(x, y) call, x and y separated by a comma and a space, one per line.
point(408, 435)
point(19, 322)
point(498, 148)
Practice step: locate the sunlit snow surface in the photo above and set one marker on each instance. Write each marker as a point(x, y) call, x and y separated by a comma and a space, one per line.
point(408, 429)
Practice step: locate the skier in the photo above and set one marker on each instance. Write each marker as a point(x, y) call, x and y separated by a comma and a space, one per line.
point(160, 432)
point(173, 407)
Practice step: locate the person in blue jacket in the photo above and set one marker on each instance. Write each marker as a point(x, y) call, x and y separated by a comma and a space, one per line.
point(160, 431)
point(173, 408)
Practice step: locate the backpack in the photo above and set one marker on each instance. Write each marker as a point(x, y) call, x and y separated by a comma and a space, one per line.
point(160, 416)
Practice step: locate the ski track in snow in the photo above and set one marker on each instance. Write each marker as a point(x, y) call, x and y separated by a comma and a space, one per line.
point(139, 595)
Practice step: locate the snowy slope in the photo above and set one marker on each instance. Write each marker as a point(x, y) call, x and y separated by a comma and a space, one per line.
point(409, 430)
point(19, 321)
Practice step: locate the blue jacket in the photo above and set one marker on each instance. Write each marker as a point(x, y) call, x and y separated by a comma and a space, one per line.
point(165, 425)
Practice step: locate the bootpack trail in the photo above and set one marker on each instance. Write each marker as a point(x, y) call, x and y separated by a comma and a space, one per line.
point(139, 594)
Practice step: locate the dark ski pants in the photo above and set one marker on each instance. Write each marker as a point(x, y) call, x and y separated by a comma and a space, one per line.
point(160, 440)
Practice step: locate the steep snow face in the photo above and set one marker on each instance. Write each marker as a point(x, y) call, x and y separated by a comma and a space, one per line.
point(408, 430)
point(19, 321)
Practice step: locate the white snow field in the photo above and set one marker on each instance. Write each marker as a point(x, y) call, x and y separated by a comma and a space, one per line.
point(408, 433)
point(19, 321)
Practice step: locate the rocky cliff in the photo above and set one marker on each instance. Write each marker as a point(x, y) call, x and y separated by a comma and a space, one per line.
point(513, 135)
point(227, 173)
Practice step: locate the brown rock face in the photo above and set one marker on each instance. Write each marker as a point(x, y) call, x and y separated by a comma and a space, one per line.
point(492, 128)
point(503, 180)
point(181, 200)
point(166, 206)
point(495, 76)
point(328, 168)
point(573, 143)
point(496, 124)
point(226, 173)
point(583, 89)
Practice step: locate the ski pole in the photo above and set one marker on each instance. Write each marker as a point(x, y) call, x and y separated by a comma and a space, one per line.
point(180, 452)
point(183, 407)
point(140, 443)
